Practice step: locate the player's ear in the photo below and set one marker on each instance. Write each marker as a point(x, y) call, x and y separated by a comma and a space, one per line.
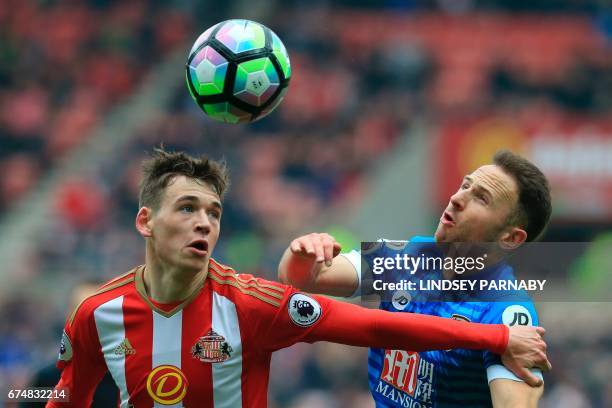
point(144, 221)
point(512, 238)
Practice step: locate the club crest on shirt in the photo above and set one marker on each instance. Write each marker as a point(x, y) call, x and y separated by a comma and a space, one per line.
point(65, 351)
point(396, 245)
point(370, 247)
point(212, 348)
point(303, 310)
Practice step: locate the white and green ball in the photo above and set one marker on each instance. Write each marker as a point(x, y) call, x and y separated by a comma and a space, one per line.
point(238, 71)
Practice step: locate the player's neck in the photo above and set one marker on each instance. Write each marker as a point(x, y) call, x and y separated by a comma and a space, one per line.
point(167, 284)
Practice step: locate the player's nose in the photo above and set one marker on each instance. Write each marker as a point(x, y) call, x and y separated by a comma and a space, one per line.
point(202, 223)
point(457, 200)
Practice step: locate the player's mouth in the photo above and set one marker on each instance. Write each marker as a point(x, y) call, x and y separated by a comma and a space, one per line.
point(447, 219)
point(198, 247)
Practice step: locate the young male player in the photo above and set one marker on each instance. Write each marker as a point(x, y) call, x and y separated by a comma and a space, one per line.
point(183, 330)
point(507, 202)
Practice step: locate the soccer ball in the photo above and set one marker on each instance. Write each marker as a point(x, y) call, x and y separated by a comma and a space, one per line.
point(238, 71)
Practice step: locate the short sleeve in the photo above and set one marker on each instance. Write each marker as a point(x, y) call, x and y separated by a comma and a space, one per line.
point(365, 256)
point(289, 322)
point(510, 314)
point(355, 259)
point(80, 359)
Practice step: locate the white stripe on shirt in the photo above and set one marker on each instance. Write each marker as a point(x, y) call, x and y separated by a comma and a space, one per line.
point(167, 344)
point(111, 332)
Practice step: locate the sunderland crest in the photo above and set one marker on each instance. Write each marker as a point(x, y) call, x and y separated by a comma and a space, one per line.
point(211, 348)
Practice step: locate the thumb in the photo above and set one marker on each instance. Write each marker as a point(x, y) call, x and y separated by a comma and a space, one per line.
point(540, 330)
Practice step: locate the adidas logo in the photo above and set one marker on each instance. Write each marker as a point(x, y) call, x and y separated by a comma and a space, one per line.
point(125, 348)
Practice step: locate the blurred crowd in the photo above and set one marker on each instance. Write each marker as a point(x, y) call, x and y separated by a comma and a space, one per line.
point(62, 65)
point(360, 80)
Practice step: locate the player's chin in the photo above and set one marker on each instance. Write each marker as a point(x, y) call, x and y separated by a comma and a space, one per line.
point(194, 264)
point(445, 234)
point(441, 234)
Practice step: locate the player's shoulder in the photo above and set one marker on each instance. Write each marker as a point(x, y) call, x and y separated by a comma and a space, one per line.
point(244, 288)
point(395, 245)
point(112, 289)
point(119, 283)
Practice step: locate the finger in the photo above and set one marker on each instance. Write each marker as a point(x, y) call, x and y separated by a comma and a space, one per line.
point(318, 248)
point(541, 331)
point(328, 249)
point(308, 246)
point(528, 377)
point(337, 249)
point(545, 365)
point(295, 246)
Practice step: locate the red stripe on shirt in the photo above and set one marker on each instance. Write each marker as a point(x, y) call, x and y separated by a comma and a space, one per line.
point(196, 324)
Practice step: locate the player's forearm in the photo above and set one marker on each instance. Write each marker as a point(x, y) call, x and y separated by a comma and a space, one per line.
point(354, 325)
point(298, 271)
point(432, 332)
point(339, 279)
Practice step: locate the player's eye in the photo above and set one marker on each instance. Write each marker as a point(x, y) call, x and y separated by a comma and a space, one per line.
point(187, 208)
point(465, 186)
point(483, 198)
point(215, 214)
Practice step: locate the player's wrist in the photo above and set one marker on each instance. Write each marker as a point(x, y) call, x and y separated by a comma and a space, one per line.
point(504, 340)
point(297, 270)
point(493, 337)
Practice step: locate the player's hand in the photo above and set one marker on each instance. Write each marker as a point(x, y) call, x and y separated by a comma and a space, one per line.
point(308, 264)
point(321, 247)
point(526, 349)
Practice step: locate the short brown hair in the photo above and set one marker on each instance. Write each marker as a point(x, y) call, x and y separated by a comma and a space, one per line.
point(163, 166)
point(534, 204)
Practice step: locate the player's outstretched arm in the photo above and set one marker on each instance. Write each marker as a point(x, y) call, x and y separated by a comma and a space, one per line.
point(520, 346)
point(311, 263)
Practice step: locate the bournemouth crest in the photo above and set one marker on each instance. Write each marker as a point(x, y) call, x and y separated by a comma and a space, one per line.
point(211, 348)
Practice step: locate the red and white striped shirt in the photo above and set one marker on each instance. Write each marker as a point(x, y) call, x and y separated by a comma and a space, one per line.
point(214, 348)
